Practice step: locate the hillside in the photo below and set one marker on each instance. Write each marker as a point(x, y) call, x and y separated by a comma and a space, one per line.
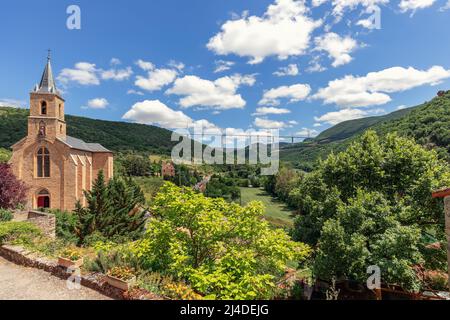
point(116, 136)
point(428, 124)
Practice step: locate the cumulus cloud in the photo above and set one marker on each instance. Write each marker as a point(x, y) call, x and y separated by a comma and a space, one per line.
point(284, 30)
point(290, 70)
point(145, 65)
point(115, 62)
point(294, 93)
point(83, 73)
point(337, 47)
point(156, 79)
point(336, 117)
point(340, 6)
point(270, 110)
point(413, 5)
point(373, 88)
point(265, 123)
point(220, 94)
point(97, 103)
point(222, 65)
point(176, 65)
point(154, 112)
point(117, 75)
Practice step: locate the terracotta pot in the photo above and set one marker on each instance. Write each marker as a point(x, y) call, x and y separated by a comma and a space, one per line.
point(119, 283)
point(67, 263)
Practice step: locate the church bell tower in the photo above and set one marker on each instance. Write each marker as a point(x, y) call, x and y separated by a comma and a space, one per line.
point(46, 120)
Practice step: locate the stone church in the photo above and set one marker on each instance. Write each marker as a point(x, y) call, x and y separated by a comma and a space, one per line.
point(55, 167)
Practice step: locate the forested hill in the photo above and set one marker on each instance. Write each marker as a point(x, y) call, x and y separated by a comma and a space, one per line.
point(428, 124)
point(116, 136)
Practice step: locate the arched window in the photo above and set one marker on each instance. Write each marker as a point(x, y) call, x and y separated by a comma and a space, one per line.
point(43, 163)
point(44, 108)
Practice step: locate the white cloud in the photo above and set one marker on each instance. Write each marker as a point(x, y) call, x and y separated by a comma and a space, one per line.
point(270, 110)
point(336, 117)
point(12, 103)
point(338, 48)
point(340, 6)
point(84, 73)
point(145, 65)
point(156, 79)
point(316, 125)
point(115, 62)
point(222, 65)
point(315, 66)
point(117, 75)
point(284, 30)
point(401, 107)
point(137, 92)
point(97, 103)
point(290, 70)
point(446, 6)
point(155, 112)
point(219, 94)
point(372, 89)
point(294, 93)
point(305, 132)
point(265, 123)
point(176, 65)
point(413, 5)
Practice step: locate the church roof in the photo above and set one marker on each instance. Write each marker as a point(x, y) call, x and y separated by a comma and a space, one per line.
point(47, 84)
point(78, 144)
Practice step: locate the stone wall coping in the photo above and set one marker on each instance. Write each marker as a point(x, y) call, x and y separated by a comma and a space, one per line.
point(94, 281)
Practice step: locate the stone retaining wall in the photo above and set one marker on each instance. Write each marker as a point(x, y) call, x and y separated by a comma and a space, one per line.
point(44, 221)
point(94, 281)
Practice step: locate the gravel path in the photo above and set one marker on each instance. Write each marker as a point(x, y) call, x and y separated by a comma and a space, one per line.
point(20, 283)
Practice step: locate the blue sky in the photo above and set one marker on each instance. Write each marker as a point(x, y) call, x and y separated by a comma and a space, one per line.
point(297, 66)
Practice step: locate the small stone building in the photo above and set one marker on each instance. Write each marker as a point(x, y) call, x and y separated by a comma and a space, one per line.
point(55, 167)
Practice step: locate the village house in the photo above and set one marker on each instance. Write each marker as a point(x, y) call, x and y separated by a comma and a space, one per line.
point(57, 168)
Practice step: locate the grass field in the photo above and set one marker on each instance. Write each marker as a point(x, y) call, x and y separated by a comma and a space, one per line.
point(149, 185)
point(276, 212)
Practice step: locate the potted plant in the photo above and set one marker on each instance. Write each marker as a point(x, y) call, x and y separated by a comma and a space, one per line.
point(121, 277)
point(71, 258)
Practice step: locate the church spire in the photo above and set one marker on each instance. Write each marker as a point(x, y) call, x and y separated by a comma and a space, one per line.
point(47, 84)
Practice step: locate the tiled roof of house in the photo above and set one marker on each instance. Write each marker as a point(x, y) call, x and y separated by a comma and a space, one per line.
point(78, 144)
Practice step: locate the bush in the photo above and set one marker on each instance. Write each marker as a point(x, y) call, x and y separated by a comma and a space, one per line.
point(18, 232)
point(221, 250)
point(66, 224)
point(6, 215)
point(12, 191)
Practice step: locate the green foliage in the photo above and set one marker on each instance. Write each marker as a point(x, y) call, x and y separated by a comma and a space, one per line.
point(427, 123)
point(6, 215)
point(113, 211)
point(116, 136)
point(370, 205)
point(5, 155)
point(222, 187)
point(184, 176)
point(18, 232)
point(66, 226)
point(135, 165)
point(221, 249)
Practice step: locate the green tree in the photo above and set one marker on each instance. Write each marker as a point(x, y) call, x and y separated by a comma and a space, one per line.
point(221, 249)
point(113, 210)
point(372, 205)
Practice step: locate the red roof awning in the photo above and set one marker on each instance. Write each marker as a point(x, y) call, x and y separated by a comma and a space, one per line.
point(441, 193)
